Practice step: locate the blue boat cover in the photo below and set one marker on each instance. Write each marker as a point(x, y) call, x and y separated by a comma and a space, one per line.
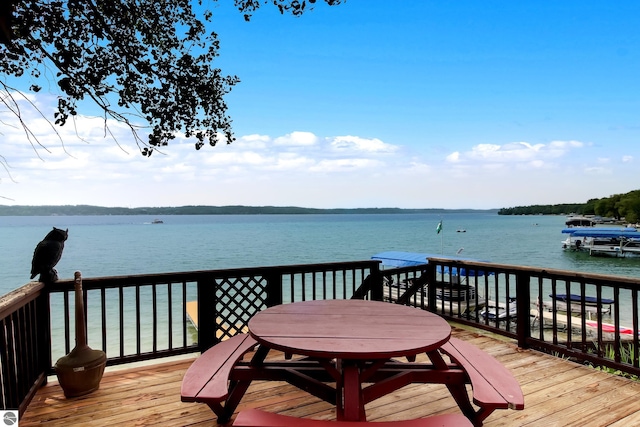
point(577, 298)
point(410, 259)
point(602, 232)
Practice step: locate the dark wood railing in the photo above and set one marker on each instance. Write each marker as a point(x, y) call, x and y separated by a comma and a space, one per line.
point(593, 330)
point(25, 354)
point(145, 317)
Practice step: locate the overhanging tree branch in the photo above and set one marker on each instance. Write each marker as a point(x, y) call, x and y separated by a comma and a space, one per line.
point(146, 60)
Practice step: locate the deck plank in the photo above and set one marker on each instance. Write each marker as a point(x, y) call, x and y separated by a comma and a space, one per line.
point(557, 393)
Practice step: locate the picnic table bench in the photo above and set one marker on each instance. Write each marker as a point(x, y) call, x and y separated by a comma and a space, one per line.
point(258, 418)
point(494, 387)
point(207, 379)
point(219, 378)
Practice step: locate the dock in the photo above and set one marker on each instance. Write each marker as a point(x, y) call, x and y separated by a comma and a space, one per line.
point(192, 316)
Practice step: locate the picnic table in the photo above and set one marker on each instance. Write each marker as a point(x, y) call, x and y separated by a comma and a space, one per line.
point(349, 353)
point(361, 336)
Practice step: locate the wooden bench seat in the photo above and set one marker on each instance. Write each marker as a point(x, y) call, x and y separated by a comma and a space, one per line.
point(258, 418)
point(206, 380)
point(494, 387)
point(209, 380)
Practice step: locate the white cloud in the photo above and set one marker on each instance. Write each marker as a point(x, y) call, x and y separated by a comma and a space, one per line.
point(453, 157)
point(299, 168)
point(254, 141)
point(337, 165)
point(534, 155)
point(357, 144)
point(297, 139)
point(598, 170)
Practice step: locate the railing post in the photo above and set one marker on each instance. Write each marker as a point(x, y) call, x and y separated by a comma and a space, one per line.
point(523, 304)
point(207, 314)
point(43, 334)
point(371, 284)
point(274, 288)
point(377, 293)
point(430, 272)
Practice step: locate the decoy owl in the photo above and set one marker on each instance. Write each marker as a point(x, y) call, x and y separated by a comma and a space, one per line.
point(47, 254)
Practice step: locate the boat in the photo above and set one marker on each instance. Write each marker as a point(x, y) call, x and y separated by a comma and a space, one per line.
point(617, 242)
point(579, 221)
point(499, 310)
point(608, 328)
point(462, 301)
point(592, 326)
point(412, 259)
point(588, 300)
point(588, 221)
point(157, 221)
point(455, 297)
point(573, 303)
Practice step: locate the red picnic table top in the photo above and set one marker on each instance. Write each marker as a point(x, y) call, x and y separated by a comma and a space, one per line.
point(349, 329)
point(354, 332)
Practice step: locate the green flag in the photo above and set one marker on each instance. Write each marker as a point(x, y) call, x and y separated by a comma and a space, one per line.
point(439, 227)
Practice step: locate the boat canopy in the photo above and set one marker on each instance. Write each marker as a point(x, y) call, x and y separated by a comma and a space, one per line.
point(578, 298)
point(580, 221)
point(410, 259)
point(606, 233)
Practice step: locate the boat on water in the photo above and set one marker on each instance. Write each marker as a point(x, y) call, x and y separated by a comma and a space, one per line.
point(157, 221)
point(608, 328)
point(499, 310)
point(588, 300)
point(617, 242)
point(573, 315)
point(588, 221)
point(580, 221)
point(454, 296)
point(573, 303)
point(411, 259)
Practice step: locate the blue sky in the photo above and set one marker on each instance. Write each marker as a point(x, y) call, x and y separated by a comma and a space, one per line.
point(414, 104)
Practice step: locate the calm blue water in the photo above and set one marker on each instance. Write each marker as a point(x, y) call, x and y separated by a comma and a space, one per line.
point(117, 245)
point(123, 245)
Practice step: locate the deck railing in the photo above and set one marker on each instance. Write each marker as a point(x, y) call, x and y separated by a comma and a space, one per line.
point(145, 317)
point(25, 355)
point(525, 303)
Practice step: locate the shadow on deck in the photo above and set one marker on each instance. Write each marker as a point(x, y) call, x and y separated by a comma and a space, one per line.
point(557, 393)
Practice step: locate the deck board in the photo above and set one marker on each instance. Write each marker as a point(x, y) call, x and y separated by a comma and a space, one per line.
point(557, 393)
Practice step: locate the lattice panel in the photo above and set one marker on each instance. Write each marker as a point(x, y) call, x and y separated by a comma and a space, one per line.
point(239, 298)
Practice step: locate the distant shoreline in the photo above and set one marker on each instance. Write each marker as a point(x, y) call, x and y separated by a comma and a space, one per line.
point(89, 210)
point(78, 210)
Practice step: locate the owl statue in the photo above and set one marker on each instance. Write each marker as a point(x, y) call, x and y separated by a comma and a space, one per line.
point(47, 254)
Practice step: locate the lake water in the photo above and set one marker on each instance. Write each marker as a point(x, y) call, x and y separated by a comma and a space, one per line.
point(122, 245)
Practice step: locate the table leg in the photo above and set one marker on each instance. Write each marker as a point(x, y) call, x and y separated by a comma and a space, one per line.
point(237, 389)
point(458, 391)
point(353, 404)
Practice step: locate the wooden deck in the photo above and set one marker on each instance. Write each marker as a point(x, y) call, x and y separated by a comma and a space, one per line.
point(557, 393)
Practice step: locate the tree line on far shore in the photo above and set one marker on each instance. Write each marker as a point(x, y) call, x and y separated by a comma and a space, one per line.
point(88, 210)
point(619, 206)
